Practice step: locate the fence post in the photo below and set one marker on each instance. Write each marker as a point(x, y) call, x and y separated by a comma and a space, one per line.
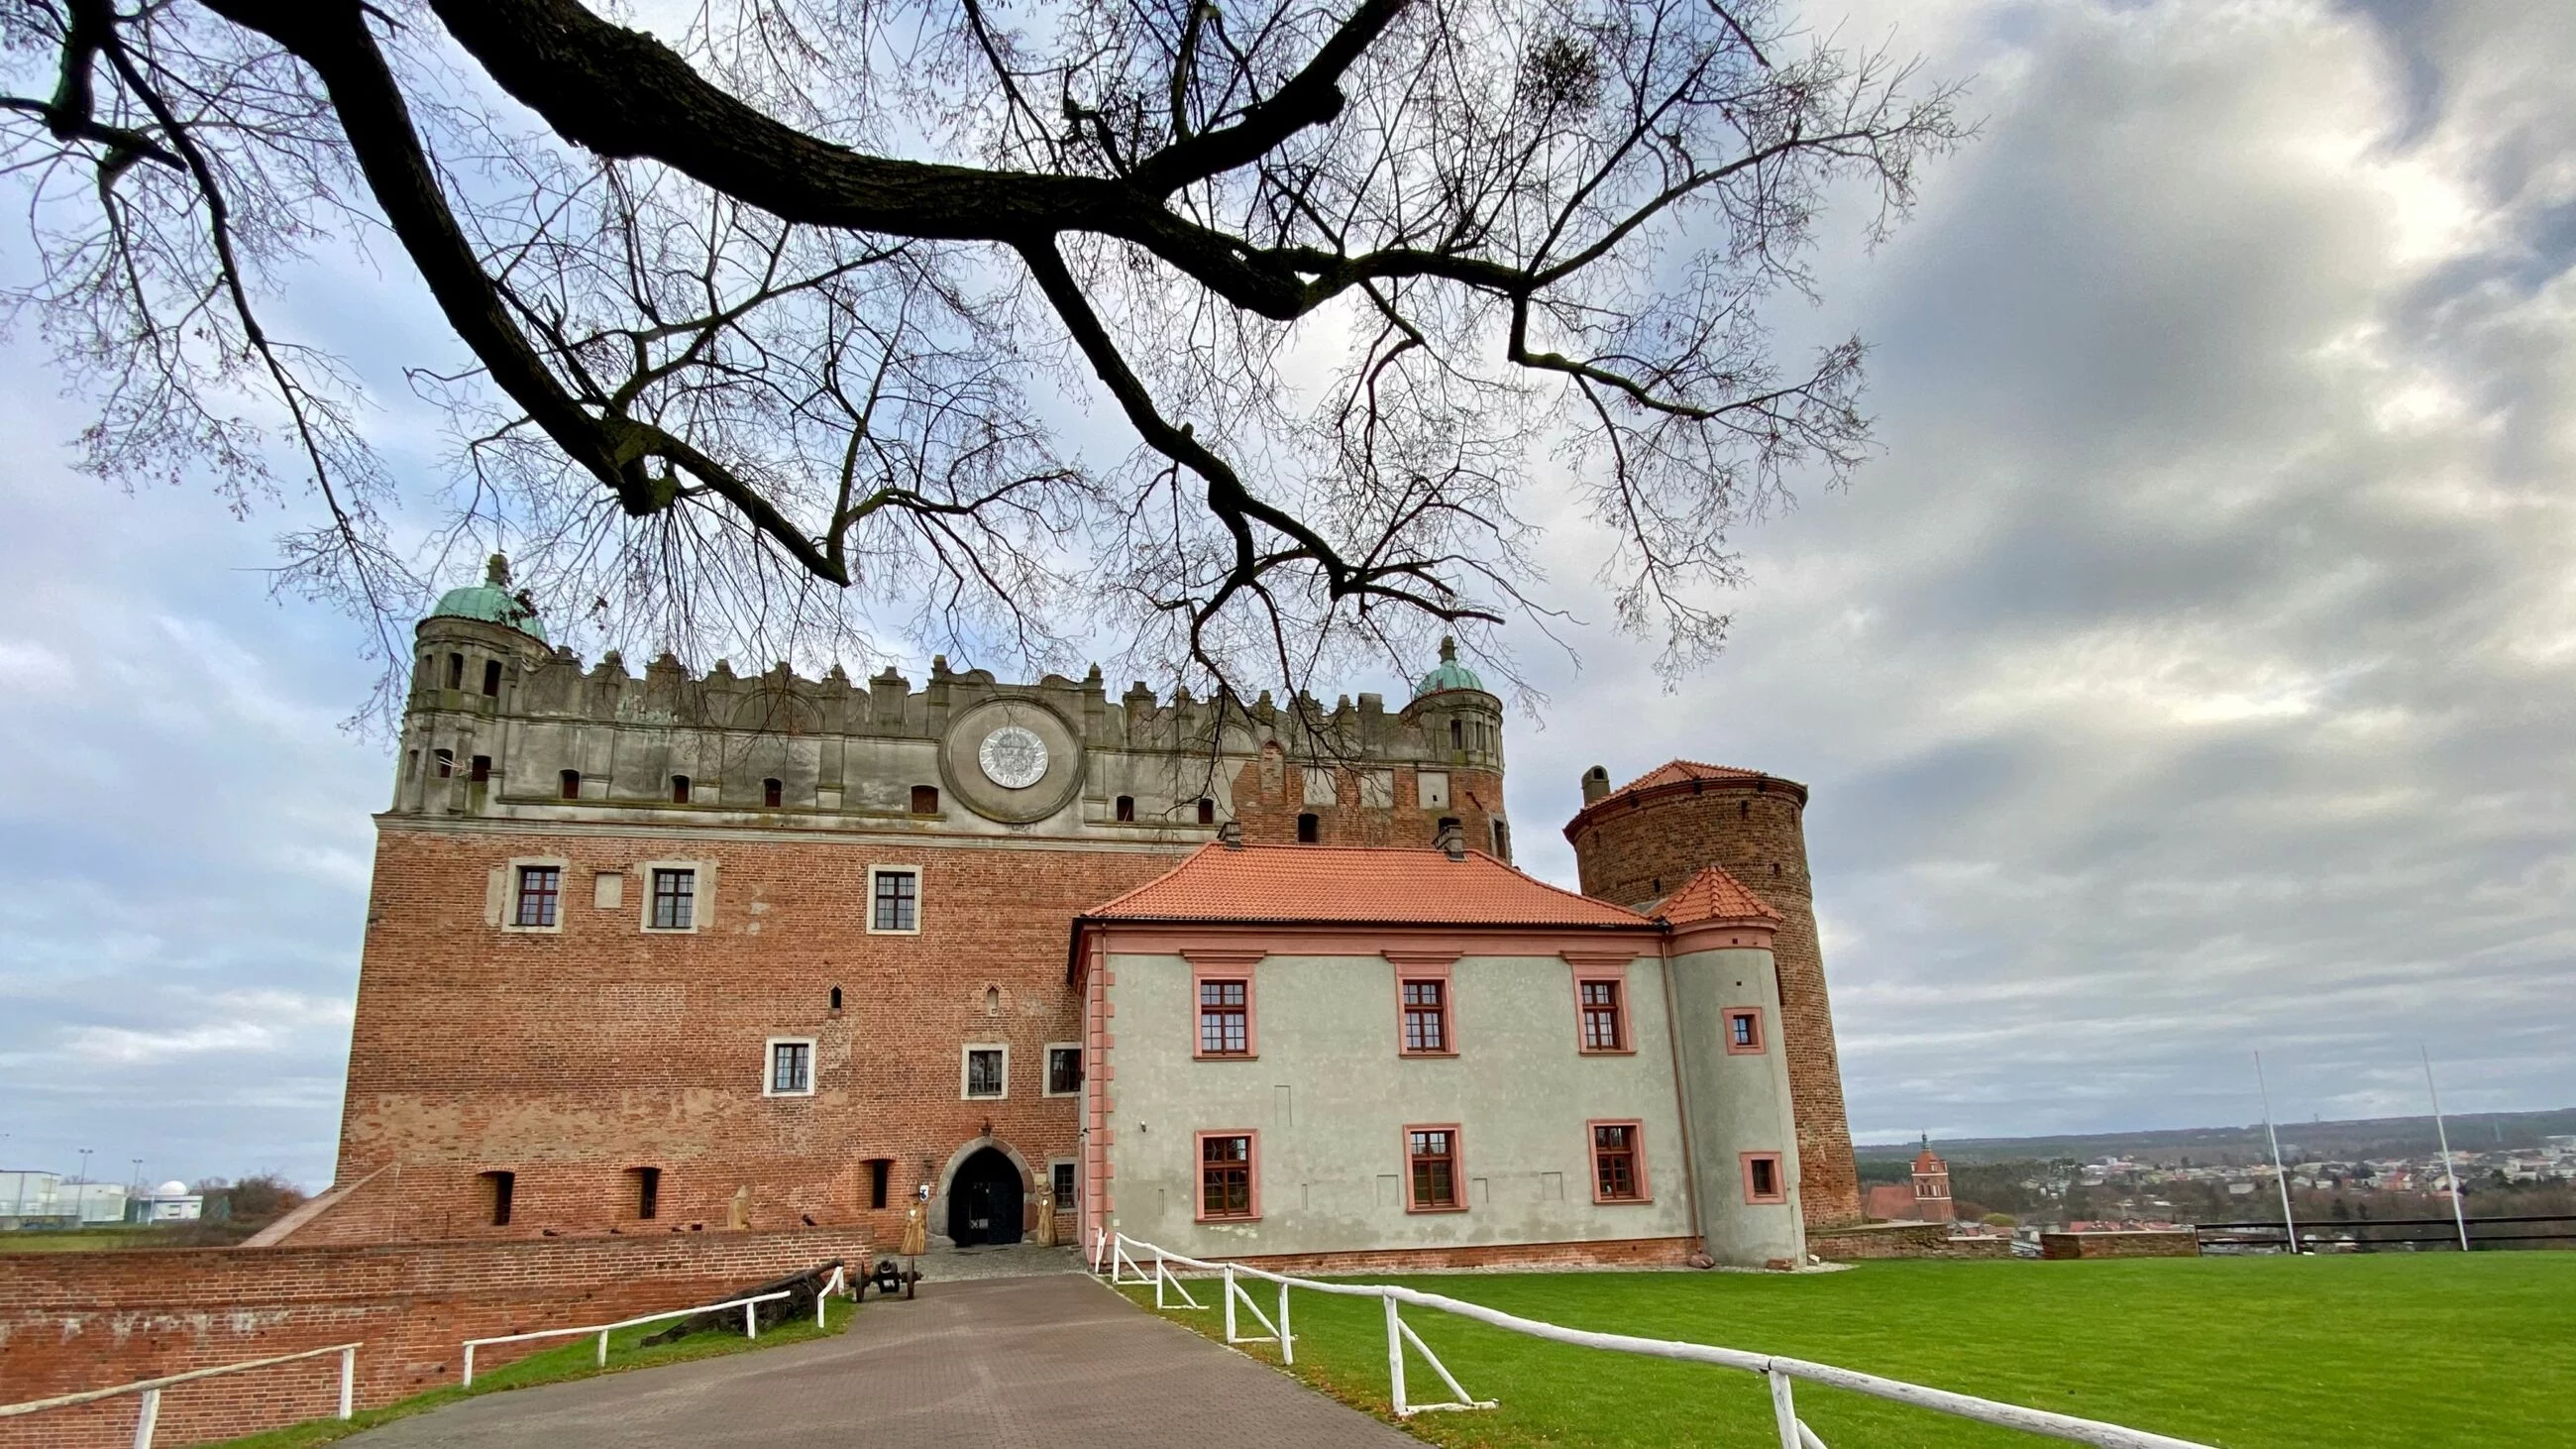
point(469, 1366)
point(1287, 1345)
point(148, 1416)
point(1229, 1302)
point(1395, 1357)
point(1159, 1273)
point(751, 1320)
point(348, 1382)
point(603, 1348)
point(1784, 1408)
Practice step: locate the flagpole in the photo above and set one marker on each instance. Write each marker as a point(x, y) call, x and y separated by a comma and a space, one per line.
point(2280, 1174)
point(2459, 1214)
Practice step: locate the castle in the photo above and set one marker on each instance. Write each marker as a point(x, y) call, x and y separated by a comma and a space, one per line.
point(689, 953)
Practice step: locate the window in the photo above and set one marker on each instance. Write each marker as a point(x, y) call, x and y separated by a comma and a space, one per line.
point(492, 677)
point(1060, 1178)
point(1618, 1162)
point(1309, 829)
point(1126, 807)
point(1426, 1017)
point(498, 1189)
point(925, 799)
point(1605, 1013)
point(1763, 1182)
point(675, 900)
point(988, 1071)
point(1457, 734)
point(1502, 840)
point(1226, 1176)
point(446, 762)
point(540, 889)
point(836, 998)
point(1431, 789)
point(1743, 1031)
point(644, 1191)
point(679, 789)
point(1064, 1069)
point(1225, 1017)
point(482, 769)
point(773, 793)
point(1431, 1169)
point(1207, 811)
point(571, 784)
point(895, 901)
point(791, 1067)
point(456, 671)
point(880, 1174)
point(1447, 827)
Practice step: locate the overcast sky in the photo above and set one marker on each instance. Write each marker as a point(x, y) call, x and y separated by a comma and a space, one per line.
point(2194, 672)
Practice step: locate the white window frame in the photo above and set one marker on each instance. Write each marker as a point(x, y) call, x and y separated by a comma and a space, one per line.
point(917, 903)
point(965, 1055)
point(702, 896)
point(509, 898)
point(1046, 1078)
point(769, 1066)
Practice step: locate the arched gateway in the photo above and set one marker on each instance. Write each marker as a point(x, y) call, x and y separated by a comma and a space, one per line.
point(984, 1200)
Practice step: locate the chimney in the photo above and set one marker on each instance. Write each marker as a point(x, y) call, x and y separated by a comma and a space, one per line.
point(1230, 835)
point(1596, 783)
point(1453, 842)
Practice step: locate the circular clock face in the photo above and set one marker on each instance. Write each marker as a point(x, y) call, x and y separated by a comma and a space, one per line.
point(1013, 757)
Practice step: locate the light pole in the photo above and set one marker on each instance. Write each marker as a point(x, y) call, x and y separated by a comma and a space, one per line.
point(80, 1191)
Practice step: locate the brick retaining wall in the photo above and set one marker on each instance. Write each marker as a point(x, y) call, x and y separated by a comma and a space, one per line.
point(1901, 1240)
point(2155, 1243)
point(75, 1321)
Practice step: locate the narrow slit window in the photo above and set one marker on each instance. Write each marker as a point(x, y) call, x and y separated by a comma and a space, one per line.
point(1426, 1016)
point(1126, 807)
point(836, 998)
point(880, 1171)
point(675, 900)
point(1615, 1174)
point(1225, 1018)
point(1431, 1161)
point(456, 671)
point(540, 892)
point(1225, 1176)
point(644, 1186)
point(492, 677)
point(679, 789)
point(773, 793)
point(1309, 829)
point(1457, 734)
point(897, 905)
point(1207, 811)
point(498, 1189)
point(925, 799)
point(1604, 1030)
point(571, 784)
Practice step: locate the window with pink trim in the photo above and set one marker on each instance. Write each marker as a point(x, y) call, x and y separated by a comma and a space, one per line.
point(1229, 1175)
point(1431, 1169)
point(1426, 1016)
point(1602, 1002)
point(1225, 1016)
point(1744, 1031)
point(1763, 1179)
point(1618, 1161)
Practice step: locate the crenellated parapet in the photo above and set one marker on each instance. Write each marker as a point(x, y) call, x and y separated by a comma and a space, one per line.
point(501, 724)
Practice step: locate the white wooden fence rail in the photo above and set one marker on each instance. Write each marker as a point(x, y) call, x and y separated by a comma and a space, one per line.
point(838, 1282)
point(1112, 1255)
point(149, 1418)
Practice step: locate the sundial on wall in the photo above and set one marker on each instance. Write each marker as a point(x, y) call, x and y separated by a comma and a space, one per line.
point(1013, 757)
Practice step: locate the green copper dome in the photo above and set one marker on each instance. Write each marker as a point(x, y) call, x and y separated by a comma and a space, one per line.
point(490, 601)
point(1450, 675)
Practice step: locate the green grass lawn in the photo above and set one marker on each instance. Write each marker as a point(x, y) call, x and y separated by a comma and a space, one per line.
point(2249, 1353)
point(575, 1360)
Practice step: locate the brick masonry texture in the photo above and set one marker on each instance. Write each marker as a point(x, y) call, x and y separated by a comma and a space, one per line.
point(2151, 1244)
point(1853, 1244)
point(74, 1321)
point(1639, 845)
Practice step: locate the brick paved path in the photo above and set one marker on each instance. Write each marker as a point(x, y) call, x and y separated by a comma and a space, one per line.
point(997, 1364)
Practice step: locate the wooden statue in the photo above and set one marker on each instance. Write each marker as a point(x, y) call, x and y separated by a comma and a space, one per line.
point(916, 1232)
point(738, 1212)
point(1045, 1234)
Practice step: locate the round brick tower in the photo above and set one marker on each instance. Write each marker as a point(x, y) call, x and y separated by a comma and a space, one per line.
point(1635, 844)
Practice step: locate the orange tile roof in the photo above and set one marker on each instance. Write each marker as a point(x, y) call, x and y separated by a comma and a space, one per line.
point(1712, 895)
point(1675, 771)
point(1356, 885)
